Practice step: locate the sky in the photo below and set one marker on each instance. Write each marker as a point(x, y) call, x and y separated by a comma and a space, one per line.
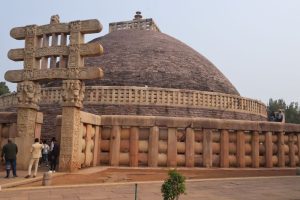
point(254, 43)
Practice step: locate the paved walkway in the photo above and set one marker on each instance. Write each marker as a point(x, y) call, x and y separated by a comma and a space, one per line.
point(275, 188)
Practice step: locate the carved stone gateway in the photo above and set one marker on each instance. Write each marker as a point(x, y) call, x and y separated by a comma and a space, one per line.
point(48, 55)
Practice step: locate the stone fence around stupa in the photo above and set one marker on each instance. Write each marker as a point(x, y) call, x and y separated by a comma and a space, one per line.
point(186, 142)
point(130, 95)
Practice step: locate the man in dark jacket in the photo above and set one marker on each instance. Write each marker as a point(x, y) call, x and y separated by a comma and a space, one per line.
point(9, 152)
point(54, 155)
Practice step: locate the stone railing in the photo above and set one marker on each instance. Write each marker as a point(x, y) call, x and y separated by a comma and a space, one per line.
point(141, 24)
point(153, 96)
point(197, 142)
point(8, 100)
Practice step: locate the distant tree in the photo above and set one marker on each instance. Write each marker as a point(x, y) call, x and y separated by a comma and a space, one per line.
point(3, 88)
point(292, 111)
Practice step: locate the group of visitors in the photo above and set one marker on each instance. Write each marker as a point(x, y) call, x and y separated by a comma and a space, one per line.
point(40, 153)
point(278, 116)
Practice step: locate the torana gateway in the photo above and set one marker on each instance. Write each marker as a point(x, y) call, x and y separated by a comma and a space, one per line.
point(147, 99)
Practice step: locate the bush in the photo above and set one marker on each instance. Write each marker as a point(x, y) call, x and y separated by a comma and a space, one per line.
point(173, 186)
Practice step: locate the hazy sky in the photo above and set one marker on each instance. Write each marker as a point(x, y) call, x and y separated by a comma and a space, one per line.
point(255, 43)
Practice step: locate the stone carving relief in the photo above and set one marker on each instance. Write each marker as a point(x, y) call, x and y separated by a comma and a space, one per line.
point(54, 19)
point(28, 94)
point(73, 93)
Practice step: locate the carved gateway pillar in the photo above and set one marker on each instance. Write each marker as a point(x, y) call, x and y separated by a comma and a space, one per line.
point(72, 95)
point(67, 64)
point(28, 95)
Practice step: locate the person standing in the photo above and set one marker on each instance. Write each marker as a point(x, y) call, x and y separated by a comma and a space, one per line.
point(54, 155)
point(36, 149)
point(9, 152)
point(45, 152)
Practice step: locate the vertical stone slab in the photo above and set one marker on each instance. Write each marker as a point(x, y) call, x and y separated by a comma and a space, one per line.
point(255, 149)
point(172, 148)
point(207, 148)
point(224, 148)
point(292, 150)
point(26, 121)
point(190, 148)
point(281, 154)
point(134, 147)
point(69, 159)
point(269, 149)
point(13, 130)
point(153, 147)
point(114, 148)
point(298, 143)
point(38, 125)
point(1, 137)
point(88, 140)
point(97, 145)
point(240, 149)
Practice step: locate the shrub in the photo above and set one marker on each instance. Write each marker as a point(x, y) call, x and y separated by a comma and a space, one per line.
point(173, 186)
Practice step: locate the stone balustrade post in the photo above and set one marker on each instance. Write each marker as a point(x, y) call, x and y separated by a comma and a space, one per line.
point(224, 149)
point(190, 148)
point(255, 149)
point(281, 153)
point(240, 149)
point(114, 148)
point(134, 147)
point(172, 148)
point(292, 150)
point(269, 149)
point(207, 148)
point(153, 147)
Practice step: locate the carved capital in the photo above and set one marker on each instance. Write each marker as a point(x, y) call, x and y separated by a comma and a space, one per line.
point(31, 30)
point(73, 93)
point(75, 26)
point(28, 94)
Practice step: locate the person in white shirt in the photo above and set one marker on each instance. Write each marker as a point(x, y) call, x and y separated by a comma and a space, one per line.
point(45, 152)
point(36, 150)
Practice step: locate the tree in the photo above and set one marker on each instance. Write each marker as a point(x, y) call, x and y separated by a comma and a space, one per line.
point(3, 88)
point(173, 186)
point(292, 111)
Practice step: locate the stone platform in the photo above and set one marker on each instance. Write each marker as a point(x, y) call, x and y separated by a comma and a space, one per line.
point(262, 188)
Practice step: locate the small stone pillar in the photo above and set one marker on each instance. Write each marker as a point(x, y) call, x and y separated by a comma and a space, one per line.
point(47, 179)
point(298, 171)
point(72, 95)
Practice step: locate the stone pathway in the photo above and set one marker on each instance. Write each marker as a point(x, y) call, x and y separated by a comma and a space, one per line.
point(275, 188)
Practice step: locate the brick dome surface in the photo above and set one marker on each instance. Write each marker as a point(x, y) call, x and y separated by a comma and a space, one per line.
point(141, 57)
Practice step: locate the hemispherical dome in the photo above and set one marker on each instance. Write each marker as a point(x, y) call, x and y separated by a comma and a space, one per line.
point(154, 59)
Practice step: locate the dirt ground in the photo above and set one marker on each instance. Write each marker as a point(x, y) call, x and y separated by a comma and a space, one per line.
point(112, 175)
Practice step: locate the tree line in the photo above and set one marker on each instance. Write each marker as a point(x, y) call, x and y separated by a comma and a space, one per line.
point(292, 110)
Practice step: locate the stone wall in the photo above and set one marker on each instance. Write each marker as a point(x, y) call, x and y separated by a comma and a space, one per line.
point(194, 142)
point(166, 141)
